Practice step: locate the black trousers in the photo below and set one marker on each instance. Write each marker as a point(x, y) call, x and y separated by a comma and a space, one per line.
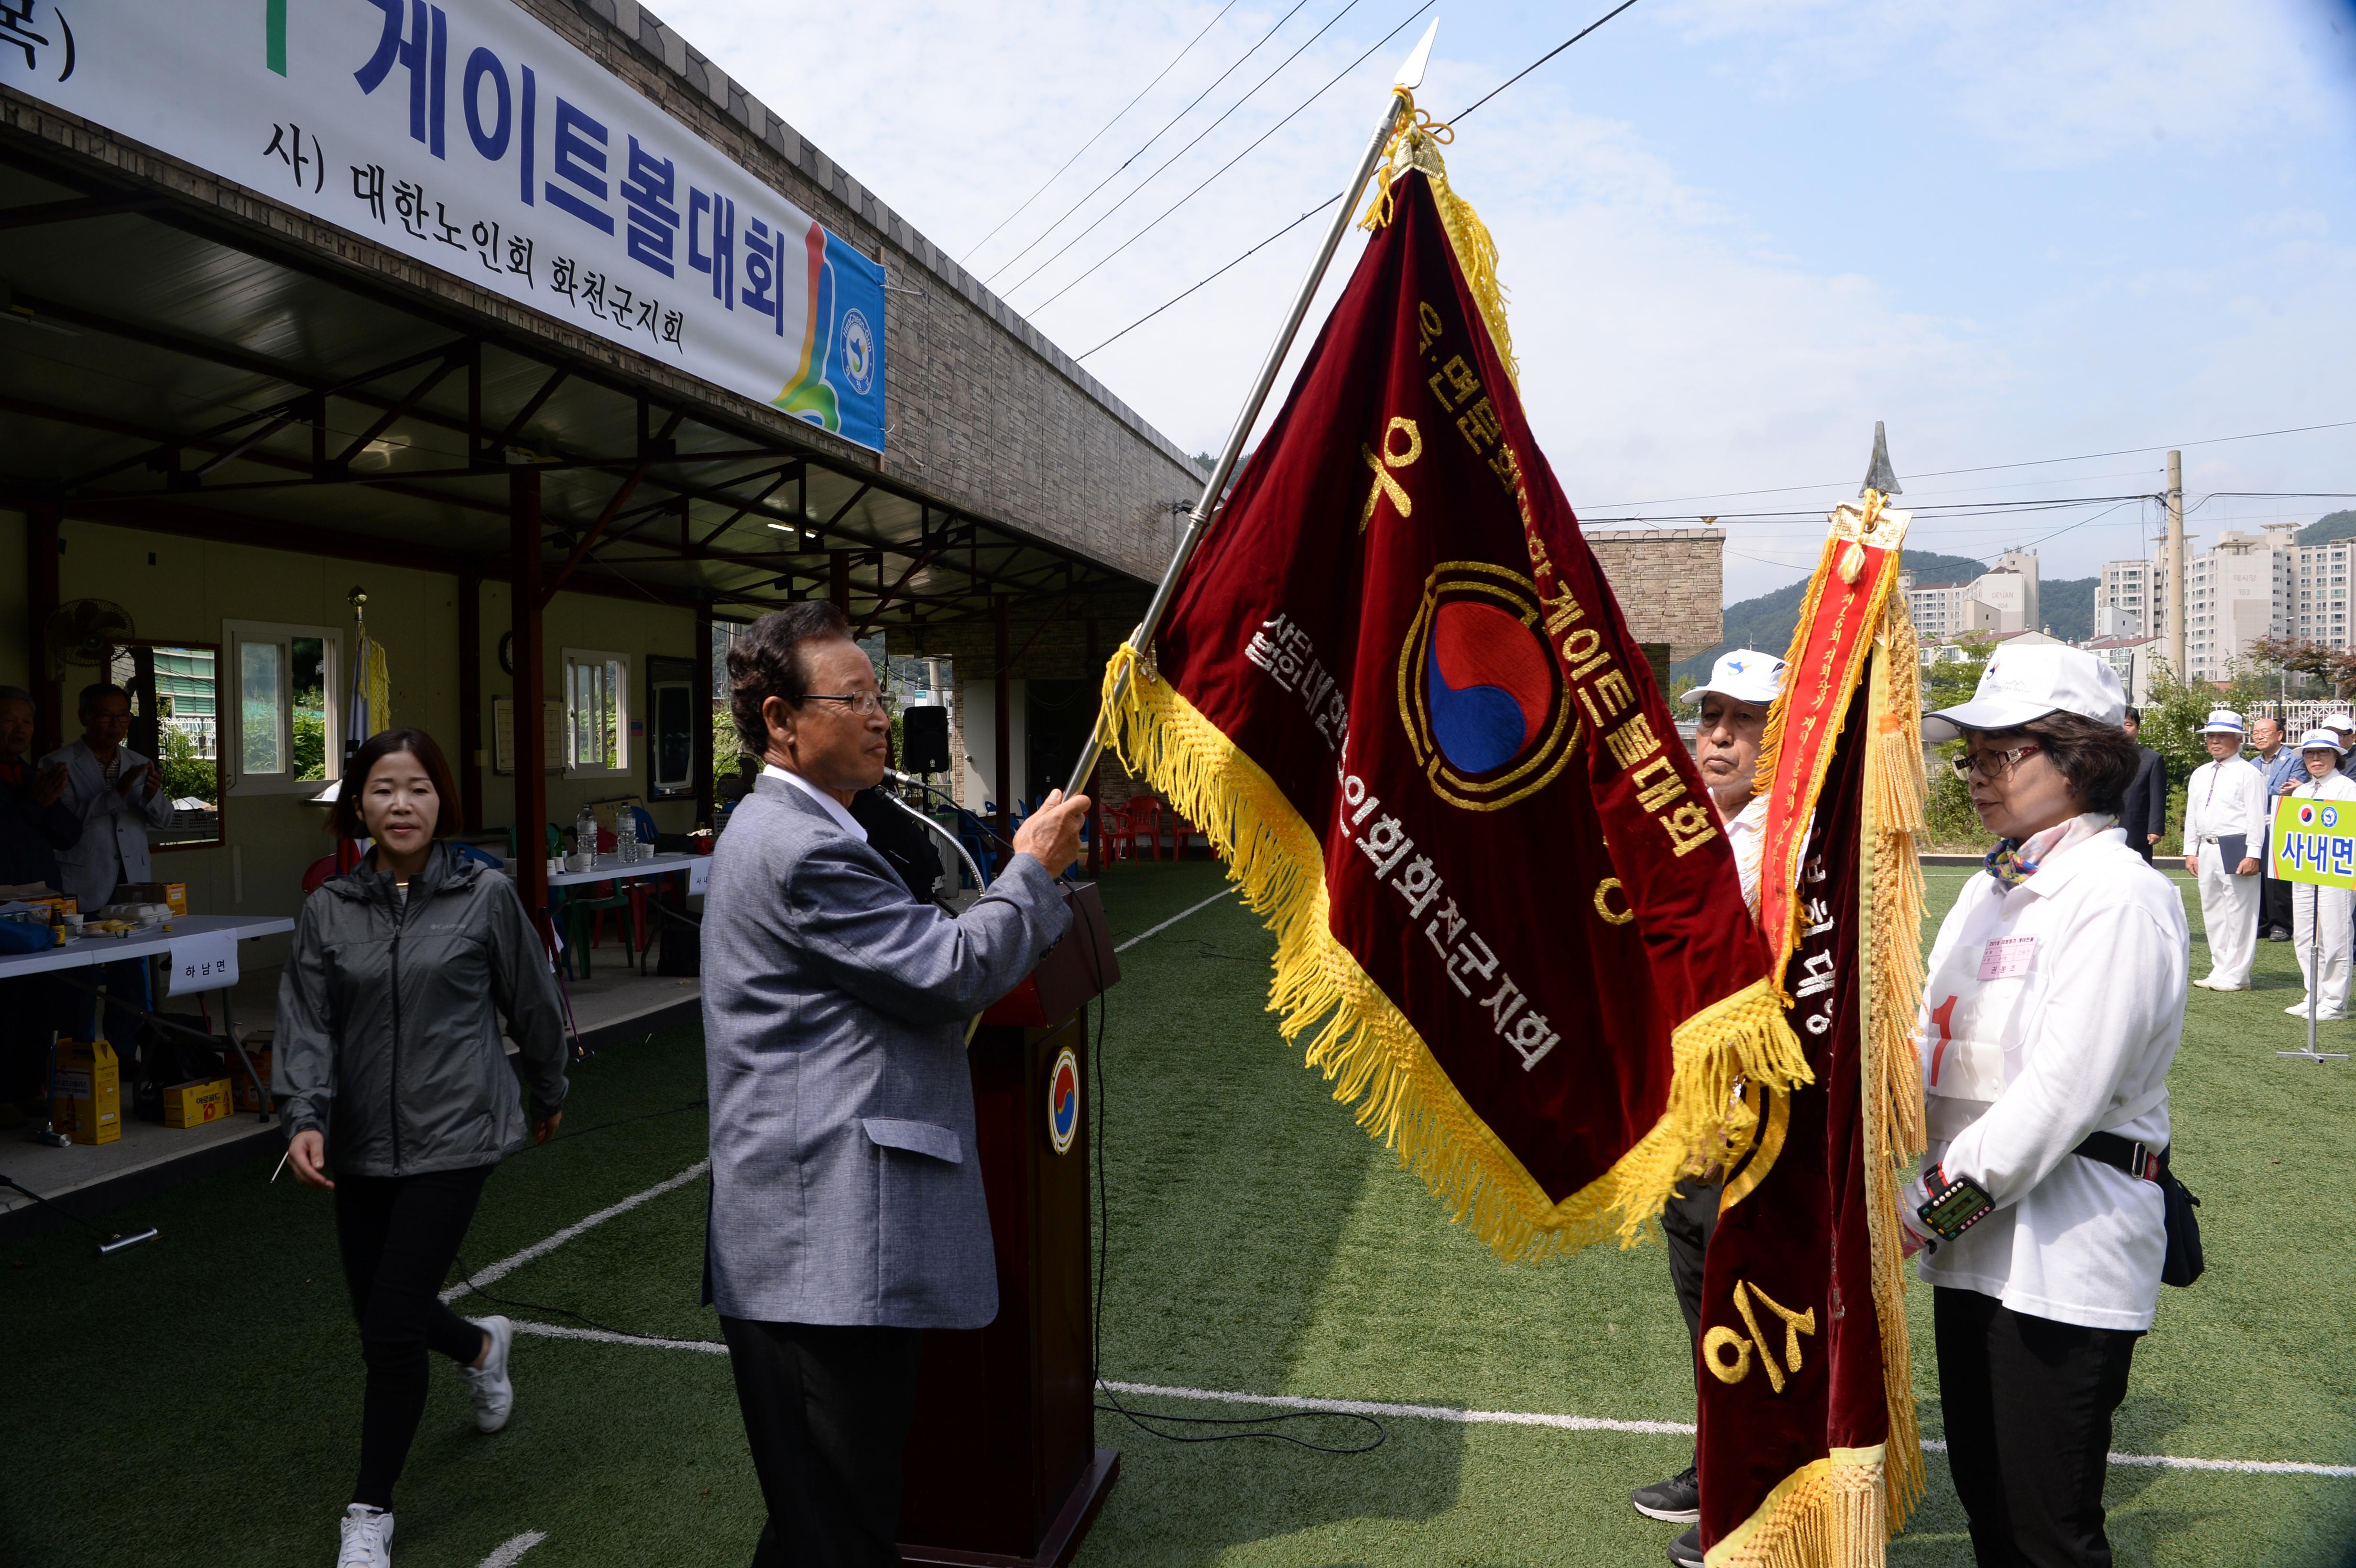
point(2027, 1405)
point(1688, 1221)
point(826, 1409)
point(2273, 906)
point(31, 1008)
point(399, 1236)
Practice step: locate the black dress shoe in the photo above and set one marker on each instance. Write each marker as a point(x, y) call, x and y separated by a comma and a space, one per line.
point(1685, 1549)
point(1676, 1500)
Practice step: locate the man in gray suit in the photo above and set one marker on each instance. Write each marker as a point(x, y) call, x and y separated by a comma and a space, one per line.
point(847, 1207)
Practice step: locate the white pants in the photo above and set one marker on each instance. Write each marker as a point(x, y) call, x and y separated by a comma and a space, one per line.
point(2229, 912)
point(2334, 908)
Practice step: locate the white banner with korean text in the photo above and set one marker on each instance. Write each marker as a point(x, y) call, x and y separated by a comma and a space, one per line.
point(471, 137)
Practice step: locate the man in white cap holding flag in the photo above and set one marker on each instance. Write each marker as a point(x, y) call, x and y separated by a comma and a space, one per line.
point(1742, 686)
point(2226, 815)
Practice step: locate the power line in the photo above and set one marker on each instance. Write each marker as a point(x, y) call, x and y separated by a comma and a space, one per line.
point(1108, 126)
point(1484, 97)
point(1157, 135)
point(1238, 262)
point(1994, 467)
point(1543, 59)
point(1239, 157)
point(1139, 187)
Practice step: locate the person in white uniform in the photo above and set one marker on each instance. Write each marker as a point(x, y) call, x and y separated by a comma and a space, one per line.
point(2329, 911)
point(2225, 813)
point(2053, 1010)
point(1742, 686)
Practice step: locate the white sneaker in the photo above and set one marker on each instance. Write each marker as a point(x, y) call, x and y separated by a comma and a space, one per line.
point(367, 1538)
point(493, 1391)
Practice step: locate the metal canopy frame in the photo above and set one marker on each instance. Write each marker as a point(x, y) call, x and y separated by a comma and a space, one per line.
point(173, 364)
point(647, 495)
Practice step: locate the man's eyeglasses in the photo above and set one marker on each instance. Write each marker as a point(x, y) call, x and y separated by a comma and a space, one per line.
point(864, 704)
point(1994, 764)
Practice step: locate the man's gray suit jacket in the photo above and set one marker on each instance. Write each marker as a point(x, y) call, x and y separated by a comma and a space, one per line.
point(845, 1183)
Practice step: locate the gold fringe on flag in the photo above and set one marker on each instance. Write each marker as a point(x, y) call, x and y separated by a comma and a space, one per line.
point(1828, 1514)
point(1890, 935)
point(1416, 145)
point(1366, 1048)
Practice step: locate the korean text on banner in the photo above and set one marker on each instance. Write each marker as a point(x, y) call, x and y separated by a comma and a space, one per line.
point(471, 137)
point(203, 961)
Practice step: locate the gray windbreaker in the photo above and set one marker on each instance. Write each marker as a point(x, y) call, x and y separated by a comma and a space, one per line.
point(389, 1020)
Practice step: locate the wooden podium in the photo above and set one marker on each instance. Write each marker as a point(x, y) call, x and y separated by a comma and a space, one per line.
point(1003, 1469)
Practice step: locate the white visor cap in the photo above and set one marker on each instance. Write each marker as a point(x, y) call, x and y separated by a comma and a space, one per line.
point(1745, 675)
point(2023, 684)
point(2321, 740)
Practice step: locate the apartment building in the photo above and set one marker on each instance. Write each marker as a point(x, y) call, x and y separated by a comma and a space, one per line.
point(2001, 600)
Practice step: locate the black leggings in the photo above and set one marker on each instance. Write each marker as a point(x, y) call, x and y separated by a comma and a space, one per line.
point(399, 1236)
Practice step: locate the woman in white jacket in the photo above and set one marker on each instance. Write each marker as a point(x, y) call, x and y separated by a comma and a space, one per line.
point(2320, 751)
point(2054, 1005)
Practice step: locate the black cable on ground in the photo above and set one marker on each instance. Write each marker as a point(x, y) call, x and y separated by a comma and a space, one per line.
point(1111, 1402)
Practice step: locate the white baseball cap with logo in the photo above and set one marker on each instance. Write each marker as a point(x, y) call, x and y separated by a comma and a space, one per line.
point(2338, 722)
point(2222, 721)
point(2024, 684)
point(2322, 740)
point(1745, 675)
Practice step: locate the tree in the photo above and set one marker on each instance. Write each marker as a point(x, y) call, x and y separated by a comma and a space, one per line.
point(187, 772)
point(2336, 668)
point(310, 726)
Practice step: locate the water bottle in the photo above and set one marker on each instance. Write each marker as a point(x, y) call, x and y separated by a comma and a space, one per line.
point(625, 837)
point(585, 837)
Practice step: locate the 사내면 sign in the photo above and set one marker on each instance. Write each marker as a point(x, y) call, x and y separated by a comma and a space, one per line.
point(473, 138)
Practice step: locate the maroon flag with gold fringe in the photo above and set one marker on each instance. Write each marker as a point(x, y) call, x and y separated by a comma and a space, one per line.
point(1808, 1450)
point(1394, 690)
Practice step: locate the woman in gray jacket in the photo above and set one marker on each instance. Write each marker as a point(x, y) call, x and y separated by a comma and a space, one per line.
point(389, 1052)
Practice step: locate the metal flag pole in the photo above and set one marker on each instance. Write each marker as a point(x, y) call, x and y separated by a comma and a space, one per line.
point(2314, 978)
point(1410, 78)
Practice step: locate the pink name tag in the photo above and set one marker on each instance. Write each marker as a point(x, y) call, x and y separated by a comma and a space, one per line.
point(2006, 956)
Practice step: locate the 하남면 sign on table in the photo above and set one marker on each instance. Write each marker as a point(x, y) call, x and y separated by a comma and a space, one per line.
point(473, 138)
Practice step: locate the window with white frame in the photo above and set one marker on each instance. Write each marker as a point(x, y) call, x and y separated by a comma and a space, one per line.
point(283, 723)
point(597, 714)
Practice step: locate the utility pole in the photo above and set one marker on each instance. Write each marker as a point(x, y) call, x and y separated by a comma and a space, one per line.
point(2176, 562)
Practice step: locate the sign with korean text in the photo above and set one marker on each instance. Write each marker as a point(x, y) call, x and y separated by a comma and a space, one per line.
point(469, 136)
point(2314, 841)
point(202, 960)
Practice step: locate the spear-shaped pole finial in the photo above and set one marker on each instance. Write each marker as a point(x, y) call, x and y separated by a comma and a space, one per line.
point(1878, 474)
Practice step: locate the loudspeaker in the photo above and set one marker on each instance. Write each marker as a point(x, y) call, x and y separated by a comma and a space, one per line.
point(925, 740)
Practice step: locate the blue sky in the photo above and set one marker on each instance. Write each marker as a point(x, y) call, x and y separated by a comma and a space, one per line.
point(1736, 233)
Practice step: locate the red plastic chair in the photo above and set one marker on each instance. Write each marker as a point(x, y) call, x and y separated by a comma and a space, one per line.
point(1145, 821)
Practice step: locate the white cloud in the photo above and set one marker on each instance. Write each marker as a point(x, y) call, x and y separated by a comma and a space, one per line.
point(2054, 85)
point(1681, 330)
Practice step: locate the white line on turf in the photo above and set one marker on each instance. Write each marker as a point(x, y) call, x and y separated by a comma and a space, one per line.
point(1665, 1428)
point(604, 1336)
point(507, 1552)
point(507, 1266)
point(1214, 898)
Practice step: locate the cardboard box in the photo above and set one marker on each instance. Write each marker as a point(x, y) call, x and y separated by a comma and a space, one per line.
point(240, 1087)
point(88, 1105)
point(193, 1105)
point(174, 896)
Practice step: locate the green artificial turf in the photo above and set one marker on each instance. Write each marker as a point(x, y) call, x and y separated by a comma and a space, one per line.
point(195, 1400)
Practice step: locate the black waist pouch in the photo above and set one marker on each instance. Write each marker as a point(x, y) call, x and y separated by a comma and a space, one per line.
point(2183, 1262)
